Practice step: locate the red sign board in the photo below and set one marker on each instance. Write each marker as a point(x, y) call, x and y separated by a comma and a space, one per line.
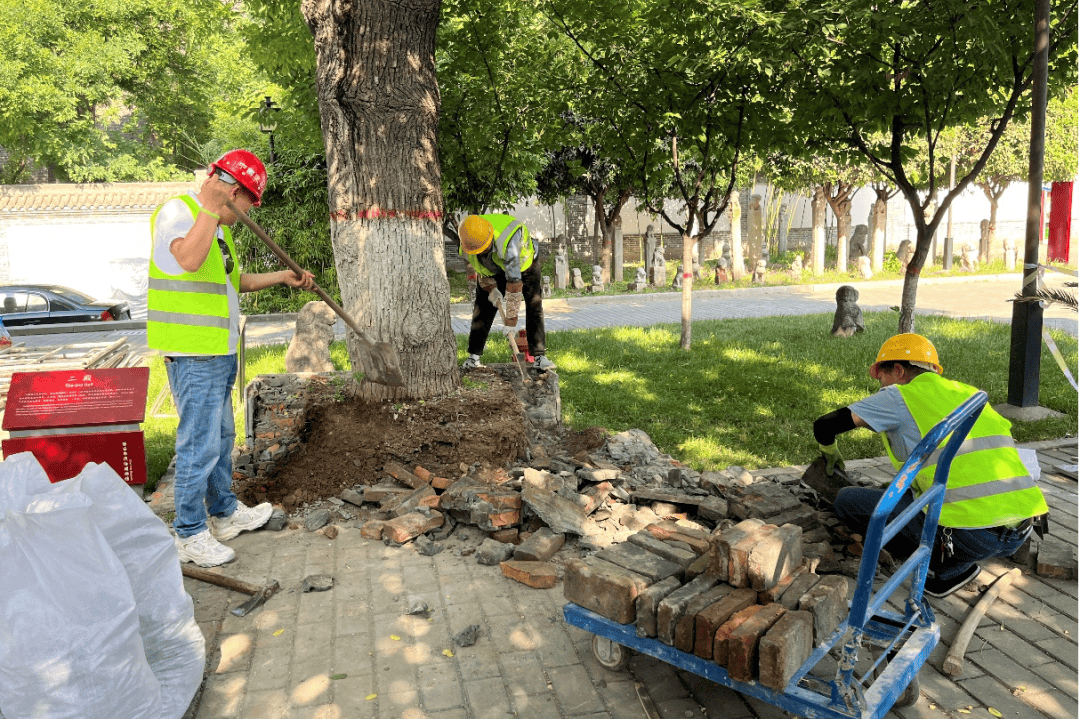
point(76, 398)
point(65, 455)
point(68, 418)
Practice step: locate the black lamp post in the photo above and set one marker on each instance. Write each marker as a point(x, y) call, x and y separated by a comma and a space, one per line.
point(268, 121)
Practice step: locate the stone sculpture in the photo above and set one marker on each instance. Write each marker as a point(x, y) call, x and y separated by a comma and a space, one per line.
point(309, 348)
point(759, 272)
point(597, 284)
point(848, 318)
point(562, 274)
point(658, 267)
point(721, 276)
point(545, 287)
point(864, 267)
point(904, 253)
point(969, 259)
point(575, 279)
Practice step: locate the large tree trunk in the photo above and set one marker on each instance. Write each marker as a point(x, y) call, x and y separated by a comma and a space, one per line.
point(379, 103)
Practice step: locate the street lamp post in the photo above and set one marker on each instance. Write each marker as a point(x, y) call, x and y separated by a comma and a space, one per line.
point(268, 121)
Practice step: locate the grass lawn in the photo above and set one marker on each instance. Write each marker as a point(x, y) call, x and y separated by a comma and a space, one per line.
point(747, 393)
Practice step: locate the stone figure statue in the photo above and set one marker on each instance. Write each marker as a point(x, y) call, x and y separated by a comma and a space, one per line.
point(676, 283)
point(863, 265)
point(969, 259)
point(575, 279)
point(562, 264)
point(848, 318)
point(721, 275)
point(759, 272)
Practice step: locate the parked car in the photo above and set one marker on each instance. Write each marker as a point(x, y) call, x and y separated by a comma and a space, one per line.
point(51, 304)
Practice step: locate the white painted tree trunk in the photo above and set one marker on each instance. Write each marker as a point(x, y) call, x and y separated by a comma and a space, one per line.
point(817, 232)
point(879, 218)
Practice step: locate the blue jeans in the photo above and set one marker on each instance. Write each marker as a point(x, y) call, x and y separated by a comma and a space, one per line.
point(854, 505)
point(202, 390)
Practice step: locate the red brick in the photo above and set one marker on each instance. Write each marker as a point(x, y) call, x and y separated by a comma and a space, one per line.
point(372, 529)
point(501, 500)
point(784, 648)
point(505, 519)
point(710, 619)
point(742, 645)
point(684, 628)
point(609, 591)
point(720, 647)
point(774, 556)
point(541, 575)
point(441, 482)
point(431, 500)
point(403, 475)
point(540, 546)
point(422, 473)
point(673, 606)
point(730, 551)
point(648, 602)
point(803, 583)
point(697, 539)
point(506, 536)
point(827, 600)
point(408, 526)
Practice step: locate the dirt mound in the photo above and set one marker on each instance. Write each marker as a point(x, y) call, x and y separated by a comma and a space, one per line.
point(347, 443)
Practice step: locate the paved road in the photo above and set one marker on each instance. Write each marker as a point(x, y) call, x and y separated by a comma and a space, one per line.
point(979, 297)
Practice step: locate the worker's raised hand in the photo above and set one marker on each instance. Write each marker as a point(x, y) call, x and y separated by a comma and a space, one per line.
point(833, 460)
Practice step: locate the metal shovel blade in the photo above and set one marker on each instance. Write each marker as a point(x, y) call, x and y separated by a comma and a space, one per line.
point(256, 599)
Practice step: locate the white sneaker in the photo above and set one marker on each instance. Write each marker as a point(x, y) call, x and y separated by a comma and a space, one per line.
point(543, 363)
point(203, 549)
point(243, 519)
point(471, 362)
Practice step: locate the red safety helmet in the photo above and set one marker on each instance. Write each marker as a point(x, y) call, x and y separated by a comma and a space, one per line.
point(247, 169)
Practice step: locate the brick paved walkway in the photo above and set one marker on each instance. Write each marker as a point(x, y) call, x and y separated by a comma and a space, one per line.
point(352, 652)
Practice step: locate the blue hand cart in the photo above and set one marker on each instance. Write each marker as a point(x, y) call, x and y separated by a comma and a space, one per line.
point(901, 641)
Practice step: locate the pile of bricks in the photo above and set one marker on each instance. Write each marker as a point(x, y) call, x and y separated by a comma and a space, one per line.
point(743, 597)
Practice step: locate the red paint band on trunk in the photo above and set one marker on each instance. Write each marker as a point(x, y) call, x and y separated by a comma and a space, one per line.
point(686, 275)
point(343, 215)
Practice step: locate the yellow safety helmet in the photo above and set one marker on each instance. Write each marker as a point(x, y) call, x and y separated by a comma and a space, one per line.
point(475, 233)
point(911, 348)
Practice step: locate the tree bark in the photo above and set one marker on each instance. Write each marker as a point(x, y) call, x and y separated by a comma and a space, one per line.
point(738, 265)
point(817, 232)
point(687, 289)
point(379, 106)
point(879, 215)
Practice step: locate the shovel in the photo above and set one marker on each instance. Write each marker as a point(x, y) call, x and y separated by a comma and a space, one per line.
point(258, 594)
point(381, 361)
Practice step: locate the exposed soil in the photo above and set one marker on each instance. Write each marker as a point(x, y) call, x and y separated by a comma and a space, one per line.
point(347, 443)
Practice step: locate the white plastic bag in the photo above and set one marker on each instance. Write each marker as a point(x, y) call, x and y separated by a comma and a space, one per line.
point(175, 646)
point(172, 645)
point(69, 629)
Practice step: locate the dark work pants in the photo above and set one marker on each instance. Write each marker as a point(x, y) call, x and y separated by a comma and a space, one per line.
point(484, 312)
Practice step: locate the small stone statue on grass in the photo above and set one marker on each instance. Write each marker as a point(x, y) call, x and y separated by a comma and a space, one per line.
point(640, 281)
point(797, 267)
point(759, 272)
point(969, 259)
point(545, 287)
point(904, 253)
point(720, 275)
point(658, 267)
point(848, 318)
point(575, 279)
point(597, 279)
point(866, 270)
point(676, 283)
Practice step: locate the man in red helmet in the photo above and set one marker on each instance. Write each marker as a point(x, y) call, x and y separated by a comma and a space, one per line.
point(193, 318)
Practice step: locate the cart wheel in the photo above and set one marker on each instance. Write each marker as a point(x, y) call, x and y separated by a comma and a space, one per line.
point(611, 655)
point(909, 695)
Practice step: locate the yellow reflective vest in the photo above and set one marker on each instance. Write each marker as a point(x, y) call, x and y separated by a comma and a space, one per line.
point(504, 226)
point(988, 486)
point(189, 313)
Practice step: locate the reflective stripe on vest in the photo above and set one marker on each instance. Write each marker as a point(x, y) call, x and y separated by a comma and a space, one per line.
point(505, 225)
point(189, 313)
point(988, 484)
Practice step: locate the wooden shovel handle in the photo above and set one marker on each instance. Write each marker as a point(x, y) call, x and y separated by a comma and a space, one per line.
point(219, 579)
point(954, 660)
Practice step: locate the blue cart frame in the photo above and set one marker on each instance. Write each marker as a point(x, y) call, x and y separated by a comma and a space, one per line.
point(905, 640)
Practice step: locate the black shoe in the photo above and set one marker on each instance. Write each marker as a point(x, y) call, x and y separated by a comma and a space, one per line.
point(941, 588)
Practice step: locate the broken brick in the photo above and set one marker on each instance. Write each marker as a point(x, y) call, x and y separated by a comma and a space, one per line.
point(804, 581)
point(372, 529)
point(403, 475)
point(506, 536)
point(682, 557)
point(410, 501)
point(540, 546)
point(422, 474)
point(541, 575)
point(441, 482)
point(666, 530)
point(407, 526)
